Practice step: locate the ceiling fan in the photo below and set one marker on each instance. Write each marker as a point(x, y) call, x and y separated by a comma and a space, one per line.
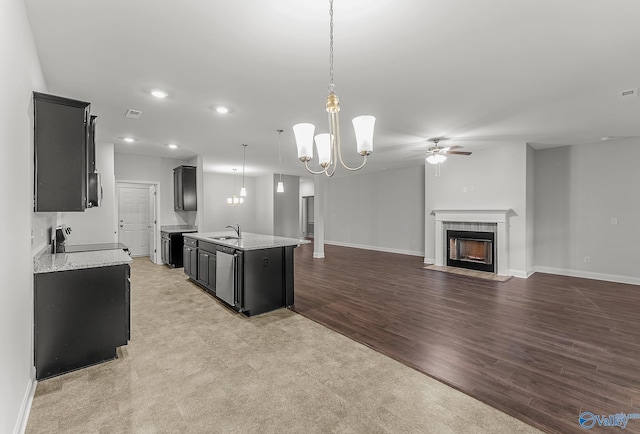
point(436, 154)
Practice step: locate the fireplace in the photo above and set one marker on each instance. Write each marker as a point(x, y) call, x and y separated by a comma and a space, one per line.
point(472, 250)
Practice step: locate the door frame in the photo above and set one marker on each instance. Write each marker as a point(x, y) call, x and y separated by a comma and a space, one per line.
point(153, 250)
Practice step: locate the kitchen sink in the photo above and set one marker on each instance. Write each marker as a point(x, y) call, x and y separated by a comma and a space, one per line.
point(225, 237)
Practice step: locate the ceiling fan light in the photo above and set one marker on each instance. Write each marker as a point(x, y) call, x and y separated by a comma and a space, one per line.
point(363, 126)
point(304, 140)
point(436, 158)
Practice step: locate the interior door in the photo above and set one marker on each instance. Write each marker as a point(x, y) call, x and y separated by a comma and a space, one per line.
point(134, 219)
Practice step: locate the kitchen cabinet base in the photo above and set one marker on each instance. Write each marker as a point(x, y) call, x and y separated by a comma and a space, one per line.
point(81, 317)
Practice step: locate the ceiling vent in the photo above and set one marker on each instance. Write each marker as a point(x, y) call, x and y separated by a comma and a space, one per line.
point(629, 93)
point(133, 114)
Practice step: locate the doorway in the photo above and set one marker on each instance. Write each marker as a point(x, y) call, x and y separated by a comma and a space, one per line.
point(137, 219)
point(307, 216)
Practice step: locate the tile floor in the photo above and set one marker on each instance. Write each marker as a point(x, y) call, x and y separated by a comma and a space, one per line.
point(194, 366)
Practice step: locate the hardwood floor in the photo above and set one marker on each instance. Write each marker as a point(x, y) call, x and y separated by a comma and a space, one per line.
point(543, 349)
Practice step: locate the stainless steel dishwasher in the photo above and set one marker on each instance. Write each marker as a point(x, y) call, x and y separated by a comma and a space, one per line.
point(226, 272)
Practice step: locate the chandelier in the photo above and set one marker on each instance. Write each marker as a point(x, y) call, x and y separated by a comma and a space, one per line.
point(328, 144)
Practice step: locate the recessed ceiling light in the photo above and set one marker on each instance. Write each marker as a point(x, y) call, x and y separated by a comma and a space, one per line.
point(129, 139)
point(159, 93)
point(172, 146)
point(222, 110)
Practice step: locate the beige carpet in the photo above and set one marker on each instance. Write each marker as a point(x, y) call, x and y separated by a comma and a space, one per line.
point(472, 273)
point(194, 366)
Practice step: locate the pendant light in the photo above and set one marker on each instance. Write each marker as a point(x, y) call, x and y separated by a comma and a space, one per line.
point(328, 144)
point(243, 191)
point(280, 188)
point(234, 200)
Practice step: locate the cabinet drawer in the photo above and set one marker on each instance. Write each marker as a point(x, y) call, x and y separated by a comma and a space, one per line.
point(190, 242)
point(209, 247)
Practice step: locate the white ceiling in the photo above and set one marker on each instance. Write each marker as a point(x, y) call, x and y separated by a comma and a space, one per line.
point(492, 72)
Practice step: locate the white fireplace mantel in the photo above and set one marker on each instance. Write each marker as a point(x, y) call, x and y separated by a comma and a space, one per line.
point(499, 217)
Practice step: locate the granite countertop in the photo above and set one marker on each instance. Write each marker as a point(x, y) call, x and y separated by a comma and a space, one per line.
point(248, 241)
point(178, 229)
point(50, 262)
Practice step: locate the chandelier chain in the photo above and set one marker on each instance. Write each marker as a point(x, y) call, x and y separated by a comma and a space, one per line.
point(331, 85)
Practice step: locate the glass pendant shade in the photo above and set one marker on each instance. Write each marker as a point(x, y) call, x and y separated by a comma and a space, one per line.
point(243, 192)
point(304, 140)
point(323, 145)
point(280, 188)
point(436, 158)
point(363, 126)
point(229, 201)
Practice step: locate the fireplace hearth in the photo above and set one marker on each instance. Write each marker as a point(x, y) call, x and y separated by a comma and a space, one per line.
point(471, 250)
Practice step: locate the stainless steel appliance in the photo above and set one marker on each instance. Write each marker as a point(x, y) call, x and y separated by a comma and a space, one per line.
point(226, 275)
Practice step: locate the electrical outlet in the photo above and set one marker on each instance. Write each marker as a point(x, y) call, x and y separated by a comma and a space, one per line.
point(587, 259)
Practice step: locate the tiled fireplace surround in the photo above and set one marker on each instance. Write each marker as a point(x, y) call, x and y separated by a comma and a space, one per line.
point(495, 221)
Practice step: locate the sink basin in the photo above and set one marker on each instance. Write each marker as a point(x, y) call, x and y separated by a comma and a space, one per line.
point(225, 237)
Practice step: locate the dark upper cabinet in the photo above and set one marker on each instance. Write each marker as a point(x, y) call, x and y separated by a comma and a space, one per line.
point(61, 136)
point(184, 188)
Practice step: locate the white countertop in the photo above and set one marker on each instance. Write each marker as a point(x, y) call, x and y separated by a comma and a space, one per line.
point(248, 241)
point(51, 262)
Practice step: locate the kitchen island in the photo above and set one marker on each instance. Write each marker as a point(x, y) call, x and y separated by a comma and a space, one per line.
point(252, 273)
point(81, 307)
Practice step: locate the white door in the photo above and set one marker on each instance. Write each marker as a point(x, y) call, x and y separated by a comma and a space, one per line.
point(153, 248)
point(134, 219)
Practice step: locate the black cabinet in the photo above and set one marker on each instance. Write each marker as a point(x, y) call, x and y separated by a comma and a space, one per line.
point(171, 248)
point(80, 317)
point(207, 265)
point(190, 258)
point(184, 188)
point(61, 136)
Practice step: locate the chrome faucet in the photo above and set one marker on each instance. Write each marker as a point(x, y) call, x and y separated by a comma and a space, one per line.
point(235, 229)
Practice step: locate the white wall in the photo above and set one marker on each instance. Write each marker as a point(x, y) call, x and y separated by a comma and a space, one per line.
point(20, 74)
point(378, 211)
point(578, 191)
point(97, 225)
point(217, 214)
point(264, 204)
point(493, 178)
point(286, 207)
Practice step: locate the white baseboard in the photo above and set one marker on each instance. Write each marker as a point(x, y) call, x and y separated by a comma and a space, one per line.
point(318, 255)
point(429, 260)
point(519, 273)
point(590, 275)
point(25, 408)
point(376, 248)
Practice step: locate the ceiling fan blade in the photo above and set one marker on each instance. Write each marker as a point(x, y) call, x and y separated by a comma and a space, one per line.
point(458, 152)
point(455, 147)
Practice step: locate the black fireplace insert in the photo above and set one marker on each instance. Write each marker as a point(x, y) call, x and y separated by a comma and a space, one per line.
point(472, 250)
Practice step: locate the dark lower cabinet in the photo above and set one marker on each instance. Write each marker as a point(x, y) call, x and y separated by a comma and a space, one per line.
point(190, 258)
point(172, 251)
point(80, 318)
point(207, 267)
